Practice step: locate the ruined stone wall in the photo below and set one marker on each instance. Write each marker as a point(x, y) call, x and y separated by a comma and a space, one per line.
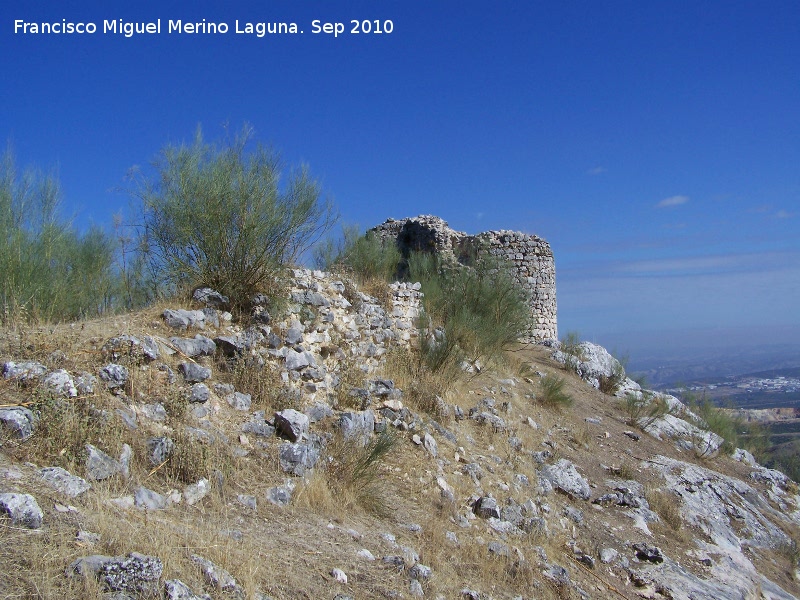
point(529, 256)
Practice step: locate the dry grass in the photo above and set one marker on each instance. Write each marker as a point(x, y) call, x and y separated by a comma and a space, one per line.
point(469, 563)
point(262, 383)
point(287, 552)
point(350, 376)
point(423, 389)
point(666, 505)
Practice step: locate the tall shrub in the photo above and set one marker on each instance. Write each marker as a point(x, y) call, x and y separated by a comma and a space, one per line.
point(219, 216)
point(48, 271)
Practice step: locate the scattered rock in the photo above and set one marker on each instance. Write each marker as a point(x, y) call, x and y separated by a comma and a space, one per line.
point(649, 553)
point(608, 555)
point(292, 424)
point(175, 589)
point(239, 401)
point(60, 383)
point(430, 445)
point(192, 347)
point(357, 425)
point(193, 373)
point(300, 457)
point(135, 573)
point(63, 481)
point(197, 491)
point(217, 576)
point(159, 449)
point(421, 572)
point(486, 508)
point(563, 476)
point(211, 298)
point(115, 376)
point(24, 371)
point(149, 500)
point(99, 465)
point(199, 394)
point(281, 495)
point(339, 576)
point(22, 509)
point(18, 420)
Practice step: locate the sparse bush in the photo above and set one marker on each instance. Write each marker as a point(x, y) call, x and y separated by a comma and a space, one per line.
point(63, 428)
point(262, 383)
point(723, 422)
point(366, 257)
point(610, 384)
point(552, 392)
point(194, 459)
point(791, 553)
point(571, 348)
point(218, 216)
point(479, 311)
point(352, 475)
point(726, 423)
point(644, 409)
point(48, 271)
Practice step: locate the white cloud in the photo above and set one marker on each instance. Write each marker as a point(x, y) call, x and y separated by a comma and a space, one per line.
point(783, 214)
point(672, 201)
point(596, 171)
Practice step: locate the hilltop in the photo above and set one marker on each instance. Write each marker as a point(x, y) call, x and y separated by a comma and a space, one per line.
point(183, 452)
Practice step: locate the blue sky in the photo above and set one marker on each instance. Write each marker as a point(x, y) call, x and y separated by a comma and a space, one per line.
point(655, 145)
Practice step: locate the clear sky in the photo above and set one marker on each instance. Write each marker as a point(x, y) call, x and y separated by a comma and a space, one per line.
point(655, 145)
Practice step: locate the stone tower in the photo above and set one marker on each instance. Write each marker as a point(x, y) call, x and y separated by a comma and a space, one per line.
point(530, 258)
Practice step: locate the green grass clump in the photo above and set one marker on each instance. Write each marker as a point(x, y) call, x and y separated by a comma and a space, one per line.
point(551, 392)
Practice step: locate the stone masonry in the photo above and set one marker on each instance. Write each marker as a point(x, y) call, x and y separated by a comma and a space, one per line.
point(530, 257)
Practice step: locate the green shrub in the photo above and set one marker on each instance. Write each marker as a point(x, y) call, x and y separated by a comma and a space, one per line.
point(479, 311)
point(217, 215)
point(723, 422)
point(48, 271)
point(551, 392)
point(644, 409)
point(610, 384)
point(365, 257)
point(571, 348)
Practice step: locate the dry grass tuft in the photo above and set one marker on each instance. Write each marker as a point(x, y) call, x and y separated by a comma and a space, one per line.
point(423, 389)
point(351, 476)
point(262, 383)
point(350, 376)
point(665, 505)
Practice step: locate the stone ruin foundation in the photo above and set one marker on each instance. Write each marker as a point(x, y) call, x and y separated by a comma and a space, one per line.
point(530, 259)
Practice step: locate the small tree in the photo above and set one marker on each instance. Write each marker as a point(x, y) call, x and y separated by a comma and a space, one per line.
point(218, 216)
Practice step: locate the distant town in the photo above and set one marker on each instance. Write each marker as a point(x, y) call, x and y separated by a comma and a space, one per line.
point(767, 389)
point(749, 384)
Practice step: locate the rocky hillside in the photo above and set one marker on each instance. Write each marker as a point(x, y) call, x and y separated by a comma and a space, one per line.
point(174, 453)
